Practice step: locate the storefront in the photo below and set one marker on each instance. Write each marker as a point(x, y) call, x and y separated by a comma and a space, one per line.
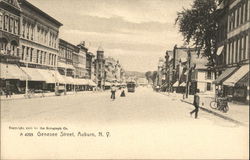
point(235, 85)
point(10, 77)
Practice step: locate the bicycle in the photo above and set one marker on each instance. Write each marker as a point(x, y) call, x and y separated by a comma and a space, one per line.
point(221, 104)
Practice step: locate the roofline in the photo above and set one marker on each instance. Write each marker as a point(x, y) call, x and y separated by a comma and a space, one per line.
point(41, 12)
point(64, 41)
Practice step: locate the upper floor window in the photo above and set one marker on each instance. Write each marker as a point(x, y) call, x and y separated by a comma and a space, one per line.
point(16, 26)
point(246, 11)
point(1, 20)
point(209, 75)
point(11, 24)
point(6, 22)
point(209, 87)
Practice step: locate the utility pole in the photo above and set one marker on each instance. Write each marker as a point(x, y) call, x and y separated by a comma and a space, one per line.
point(166, 70)
point(189, 71)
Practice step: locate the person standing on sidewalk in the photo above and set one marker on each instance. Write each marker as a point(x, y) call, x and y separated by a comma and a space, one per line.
point(113, 90)
point(196, 105)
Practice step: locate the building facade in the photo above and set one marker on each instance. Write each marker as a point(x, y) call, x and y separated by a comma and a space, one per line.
point(236, 50)
point(100, 68)
point(81, 70)
point(89, 63)
point(10, 73)
point(65, 63)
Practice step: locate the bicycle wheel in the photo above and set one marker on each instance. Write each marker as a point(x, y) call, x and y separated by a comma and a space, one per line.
point(225, 108)
point(213, 104)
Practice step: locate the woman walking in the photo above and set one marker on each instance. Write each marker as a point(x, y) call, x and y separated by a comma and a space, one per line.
point(123, 92)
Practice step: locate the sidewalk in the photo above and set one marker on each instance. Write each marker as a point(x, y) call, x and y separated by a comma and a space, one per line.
point(237, 113)
point(39, 95)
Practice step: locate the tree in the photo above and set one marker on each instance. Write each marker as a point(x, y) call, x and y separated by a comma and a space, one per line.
point(154, 76)
point(198, 25)
point(148, 75)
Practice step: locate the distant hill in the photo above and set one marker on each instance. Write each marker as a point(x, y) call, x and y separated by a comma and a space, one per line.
point(135, 74)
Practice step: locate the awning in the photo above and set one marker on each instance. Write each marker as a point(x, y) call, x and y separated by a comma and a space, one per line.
point(61, 65)
point(244, 81)
point(175, 84)
point(107, 84)
point(219, 50)
point(59, 77)
point(91, 83)
point(12, 71)
point(69, 80)
point(228, 72)
point(183, 84)
point(64, 65)
point(236, 76)
point(81, 82)
point(49, 77)
point(33, 73)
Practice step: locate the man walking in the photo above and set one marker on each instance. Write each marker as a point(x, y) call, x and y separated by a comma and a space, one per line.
point(113, 90)
point(196, 105)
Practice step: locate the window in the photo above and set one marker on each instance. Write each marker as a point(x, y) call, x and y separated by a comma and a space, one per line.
point(209, 87)
point(246, 10)
point(209, 75)
point(11, 25)
point(32, 33)
point(1, 20)
point(38, 34)
point(236, 50)
point(27, 54)
point(27, 31)
point(237, 14)
point(23, 28)
point(23, 48)
point(49, 58)
point(41, 57)
point(37, 56)
point(16, 26)
point(242, 13)
point(44, 58)
point(31, 54)
point(6, 22)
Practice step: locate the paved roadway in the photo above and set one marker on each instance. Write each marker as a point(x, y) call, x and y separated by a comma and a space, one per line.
point(143, 124)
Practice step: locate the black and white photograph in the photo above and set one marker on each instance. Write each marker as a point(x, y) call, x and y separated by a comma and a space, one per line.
point(124, 79)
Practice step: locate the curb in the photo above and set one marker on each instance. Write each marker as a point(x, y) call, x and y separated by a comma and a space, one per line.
point(217, 114)
point(38, 96)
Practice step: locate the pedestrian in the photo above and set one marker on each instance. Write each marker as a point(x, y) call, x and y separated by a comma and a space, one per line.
point(113, 90)
point(196, 105)
point(123, 92)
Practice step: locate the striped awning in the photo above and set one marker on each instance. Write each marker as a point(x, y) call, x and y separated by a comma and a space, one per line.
point(236, 76)
point(228, 72)
point(91, 83)
point(68, 80)
point(175, 84)
point(107, 84)
point(12, 71)
point(34, 74)
point(49, 77)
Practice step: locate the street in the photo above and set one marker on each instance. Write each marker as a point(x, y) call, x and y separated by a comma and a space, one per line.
point(144, 124)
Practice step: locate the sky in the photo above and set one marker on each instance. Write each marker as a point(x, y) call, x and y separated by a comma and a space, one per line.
point(135, 32)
